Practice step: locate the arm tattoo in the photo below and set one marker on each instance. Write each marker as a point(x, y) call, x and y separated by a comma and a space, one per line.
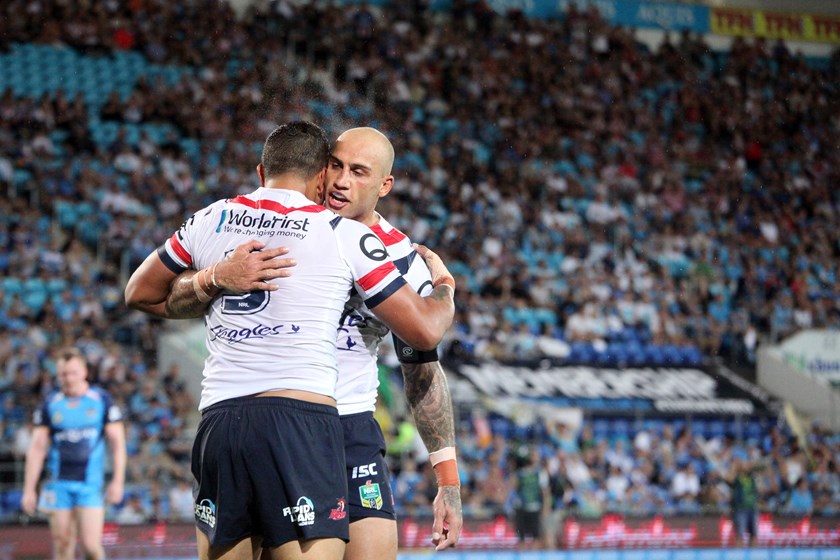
point(452, 499)
point(182, 302)
point(427, 393)
point(442, 292)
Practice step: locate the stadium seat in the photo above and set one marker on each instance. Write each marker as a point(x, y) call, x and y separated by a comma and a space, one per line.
point(12, 285)
point(692, 356)
point(636, 355)
point(716, 428)
point(699, 427)
point(35, 294)
point(653, 425)
point(501, 425)
point(620, 429)
point(654, 355)
point(10, 500)
point(582, 353)
point(754, 430)
point(601, 428)
point(56, 285)
point(671, 355)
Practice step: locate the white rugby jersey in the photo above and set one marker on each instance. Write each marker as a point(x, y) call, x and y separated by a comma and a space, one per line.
point(360, 332)
point(285, 339)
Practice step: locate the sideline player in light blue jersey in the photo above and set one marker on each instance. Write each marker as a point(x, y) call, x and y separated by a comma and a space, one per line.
point(70, 429)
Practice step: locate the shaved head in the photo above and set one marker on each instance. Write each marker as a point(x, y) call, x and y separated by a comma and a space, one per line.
point(359, 174)
point(376, 145)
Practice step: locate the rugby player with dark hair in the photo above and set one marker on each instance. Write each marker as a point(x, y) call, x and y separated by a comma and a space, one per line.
point(269, 452)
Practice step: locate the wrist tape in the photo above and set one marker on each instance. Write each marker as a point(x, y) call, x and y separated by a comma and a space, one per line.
point(445, 466)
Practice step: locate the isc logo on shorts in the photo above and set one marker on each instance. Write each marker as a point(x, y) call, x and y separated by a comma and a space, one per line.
point(364, 471)
point(301, 514)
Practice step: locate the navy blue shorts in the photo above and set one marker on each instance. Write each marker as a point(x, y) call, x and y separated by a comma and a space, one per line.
point(269, 466)
point(368, 478)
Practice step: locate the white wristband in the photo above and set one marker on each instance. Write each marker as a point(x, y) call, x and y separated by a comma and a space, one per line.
point(440, 455)
point(202, 296)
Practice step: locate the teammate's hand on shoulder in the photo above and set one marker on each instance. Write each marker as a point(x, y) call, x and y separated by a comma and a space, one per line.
point(440, 274)
point(249, 268)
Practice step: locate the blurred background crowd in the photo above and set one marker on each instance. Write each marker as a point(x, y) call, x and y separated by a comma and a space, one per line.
point(600, 202)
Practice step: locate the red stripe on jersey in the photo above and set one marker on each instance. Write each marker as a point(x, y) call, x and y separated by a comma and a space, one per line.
point(376, 275)
point(274, 206)
point(390, 237)
point(179, 249)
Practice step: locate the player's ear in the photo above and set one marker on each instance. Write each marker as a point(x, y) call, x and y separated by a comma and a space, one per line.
point(386, 186)
point(261, 174)
point(320, 194)
point(315, 187)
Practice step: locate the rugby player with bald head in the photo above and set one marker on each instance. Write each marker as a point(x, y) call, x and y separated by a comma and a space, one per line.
point(358, 175)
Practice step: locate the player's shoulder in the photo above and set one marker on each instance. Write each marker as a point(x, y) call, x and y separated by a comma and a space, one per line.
point(215, 206)
point(404, 255)
point(346, 226)
point(397, 243)
point(53, 397)
point(389, 234)
point(280, 201)
point(208, 212)
point(97, 393)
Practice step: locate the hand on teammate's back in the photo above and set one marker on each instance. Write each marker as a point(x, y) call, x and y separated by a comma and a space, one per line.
point(249, 268)
point(440, 274)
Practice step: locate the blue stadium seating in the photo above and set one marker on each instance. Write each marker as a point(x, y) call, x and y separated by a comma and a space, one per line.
point(10, 501)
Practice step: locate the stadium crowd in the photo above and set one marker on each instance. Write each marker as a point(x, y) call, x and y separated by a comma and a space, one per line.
point(671, 470)
point(581, 185)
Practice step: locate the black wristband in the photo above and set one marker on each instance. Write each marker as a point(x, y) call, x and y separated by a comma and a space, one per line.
point(408, 355)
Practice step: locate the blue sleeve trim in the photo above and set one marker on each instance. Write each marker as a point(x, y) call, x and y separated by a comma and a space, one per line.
point(389, 290)
point(168, 261)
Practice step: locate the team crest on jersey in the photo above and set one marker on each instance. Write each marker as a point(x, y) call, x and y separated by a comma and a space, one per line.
point(340, 511)
point(57, 417)
point(371, 495)
point(48, 498)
